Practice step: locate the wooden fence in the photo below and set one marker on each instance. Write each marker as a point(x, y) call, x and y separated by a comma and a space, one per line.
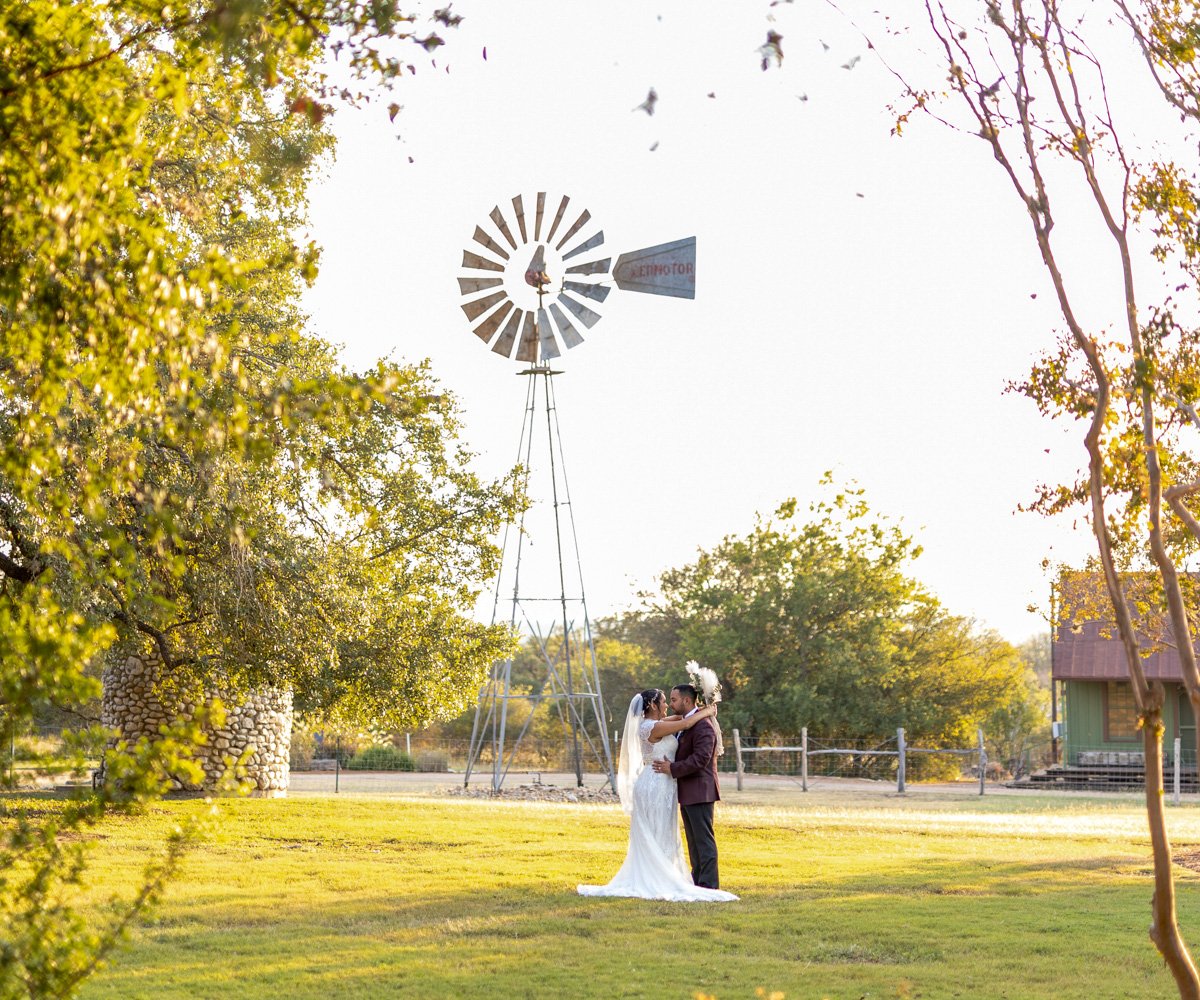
point(901, 754)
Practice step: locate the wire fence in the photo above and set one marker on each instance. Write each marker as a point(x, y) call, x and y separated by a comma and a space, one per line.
point(36, 757)
point(1105, 768)
point(807, 760)
point(890, 759)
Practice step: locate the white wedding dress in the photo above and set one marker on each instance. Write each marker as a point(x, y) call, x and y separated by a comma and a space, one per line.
point(654, 865)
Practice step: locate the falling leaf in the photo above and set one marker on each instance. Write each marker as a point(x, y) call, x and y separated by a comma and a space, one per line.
point(859, 194)
point(648, 104)
point(824, 47)
point(712, 93)
point(852, 63)
point(307, 106)
point(654, 147)
point(802, 97)
point(444, 16)
point(411, 160)
point(771, 50)
point(485, 53)
point(393, 110)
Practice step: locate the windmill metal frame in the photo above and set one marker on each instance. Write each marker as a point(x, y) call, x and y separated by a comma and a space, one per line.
point(572, 678)
point(534, 336)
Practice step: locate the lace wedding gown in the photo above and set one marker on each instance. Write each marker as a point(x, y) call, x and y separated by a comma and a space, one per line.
point(654, 865)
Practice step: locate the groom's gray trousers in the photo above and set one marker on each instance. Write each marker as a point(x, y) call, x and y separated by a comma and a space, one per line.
point(702, 843)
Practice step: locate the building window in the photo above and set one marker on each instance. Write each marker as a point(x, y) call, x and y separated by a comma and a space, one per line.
point(1120, 712)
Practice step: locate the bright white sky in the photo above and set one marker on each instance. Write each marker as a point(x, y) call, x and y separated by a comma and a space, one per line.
point(861, 299)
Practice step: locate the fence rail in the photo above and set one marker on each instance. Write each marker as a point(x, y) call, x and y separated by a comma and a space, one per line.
point(37, 757)
point(855, 755)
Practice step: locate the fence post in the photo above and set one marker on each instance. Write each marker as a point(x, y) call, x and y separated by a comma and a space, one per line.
point(982, 762)
point(337, 764)
point(804, 759)
point(1177, 748)
point(900, 762)
point(408, 744)
point(737, 746)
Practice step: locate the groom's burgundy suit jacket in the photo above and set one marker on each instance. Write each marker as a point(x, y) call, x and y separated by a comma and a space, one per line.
point(695, 765)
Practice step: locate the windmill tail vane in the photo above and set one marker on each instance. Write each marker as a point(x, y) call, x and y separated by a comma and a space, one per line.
point(501, 270)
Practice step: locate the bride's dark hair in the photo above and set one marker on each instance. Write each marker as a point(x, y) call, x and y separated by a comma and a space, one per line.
point(652, 696)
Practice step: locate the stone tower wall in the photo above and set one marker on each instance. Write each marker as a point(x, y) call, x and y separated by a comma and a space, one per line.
point(260, 721)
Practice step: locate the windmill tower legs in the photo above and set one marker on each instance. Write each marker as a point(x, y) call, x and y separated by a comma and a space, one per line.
point(567, 677)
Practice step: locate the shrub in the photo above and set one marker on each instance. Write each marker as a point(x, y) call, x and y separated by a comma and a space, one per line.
point(380, 758)
point(303, 749)
point(433, 760)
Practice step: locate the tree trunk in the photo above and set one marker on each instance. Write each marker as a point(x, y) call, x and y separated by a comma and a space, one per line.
point(1164, 928)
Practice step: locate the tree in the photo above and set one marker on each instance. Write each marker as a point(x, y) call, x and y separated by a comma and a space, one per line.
point(819, 625)
point(164, 420)
point(624, 668)
point(1035, 652)
point(1134, 389)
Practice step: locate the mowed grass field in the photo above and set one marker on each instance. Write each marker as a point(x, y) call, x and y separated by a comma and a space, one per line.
point(843, 896)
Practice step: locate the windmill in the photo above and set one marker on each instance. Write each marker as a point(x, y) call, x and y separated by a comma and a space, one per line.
point(528, 287)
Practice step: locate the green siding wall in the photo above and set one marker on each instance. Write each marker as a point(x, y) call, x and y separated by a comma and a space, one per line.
point(1083, 712)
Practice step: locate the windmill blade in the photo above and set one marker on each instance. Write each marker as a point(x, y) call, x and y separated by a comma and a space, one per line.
point(487, 329)
point(477, 308)
point(519, 208)
point(580, 311)
point(667, 269)
point(596, 292)
point(541, 208)
point(527, 348)
point(577, 225)
point(498, 218)
point(558, 217)
point(546, 342)
point(591, 244)
point(480, 263)
point(482, 238)
point(469, 286)
point(504, 344)
point(568, 333)
point(592, 267)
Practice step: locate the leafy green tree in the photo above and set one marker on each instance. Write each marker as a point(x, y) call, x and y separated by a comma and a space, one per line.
point(179, 464)
point(819, 625)
point(625, 668)
point(1035, 652)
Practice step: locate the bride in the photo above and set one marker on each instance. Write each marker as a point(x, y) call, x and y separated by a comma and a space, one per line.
point(654, 867)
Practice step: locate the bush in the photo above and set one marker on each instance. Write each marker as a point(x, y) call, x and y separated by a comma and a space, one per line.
point(433, 760)
point(303, 749)
point(380, 758)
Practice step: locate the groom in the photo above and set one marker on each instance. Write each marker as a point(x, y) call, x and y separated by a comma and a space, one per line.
point(695, 771)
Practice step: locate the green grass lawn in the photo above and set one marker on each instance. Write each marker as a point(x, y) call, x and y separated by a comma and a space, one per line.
point(842, 897)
